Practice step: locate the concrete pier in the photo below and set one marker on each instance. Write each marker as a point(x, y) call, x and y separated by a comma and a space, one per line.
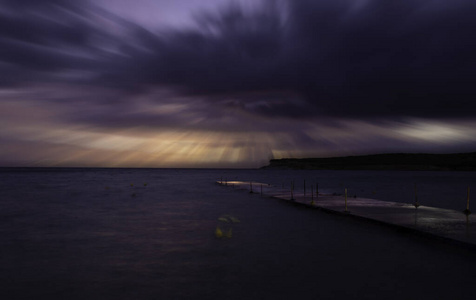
point(452, 225)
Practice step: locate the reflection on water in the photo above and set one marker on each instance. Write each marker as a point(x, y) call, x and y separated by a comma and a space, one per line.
point(150, 234)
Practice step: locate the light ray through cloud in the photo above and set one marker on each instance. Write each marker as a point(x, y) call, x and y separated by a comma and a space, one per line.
point(221, 83)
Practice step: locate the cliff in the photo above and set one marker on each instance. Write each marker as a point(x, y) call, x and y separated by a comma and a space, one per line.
point(394, 161)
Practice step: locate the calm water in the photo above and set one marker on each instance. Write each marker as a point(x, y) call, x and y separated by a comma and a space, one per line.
point(149, 234)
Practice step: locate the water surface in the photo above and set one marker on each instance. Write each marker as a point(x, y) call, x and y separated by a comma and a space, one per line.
point(149, 234)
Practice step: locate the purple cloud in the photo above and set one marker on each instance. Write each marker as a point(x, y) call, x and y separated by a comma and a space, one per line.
point(295, 71)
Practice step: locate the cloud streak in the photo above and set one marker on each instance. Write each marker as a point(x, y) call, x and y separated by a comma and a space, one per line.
point(379, 59)
point(370, 59)
point(306, 74)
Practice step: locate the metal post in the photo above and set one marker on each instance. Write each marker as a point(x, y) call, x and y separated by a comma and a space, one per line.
point(467, 201)
point(416, 198)
point(292, 190)
point(312, 195)
point(467, 212)
point(346, 200)
point(317, 190)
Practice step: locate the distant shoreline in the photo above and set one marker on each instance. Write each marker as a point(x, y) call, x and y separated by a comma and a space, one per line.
point(392, 161)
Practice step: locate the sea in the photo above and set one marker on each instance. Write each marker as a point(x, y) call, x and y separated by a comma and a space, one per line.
point(107, 233)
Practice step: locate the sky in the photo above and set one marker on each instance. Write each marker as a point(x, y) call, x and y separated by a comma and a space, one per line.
point(223, 83)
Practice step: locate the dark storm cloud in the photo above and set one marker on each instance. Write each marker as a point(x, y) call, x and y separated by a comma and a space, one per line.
point(344, 58)
point(230, 53)
point(362, 59)
point(389, 57)
point(41, 39)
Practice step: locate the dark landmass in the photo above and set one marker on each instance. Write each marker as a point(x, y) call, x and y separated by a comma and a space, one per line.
point(394, 161)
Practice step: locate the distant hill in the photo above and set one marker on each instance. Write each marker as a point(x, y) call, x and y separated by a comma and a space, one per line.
point(394, 161)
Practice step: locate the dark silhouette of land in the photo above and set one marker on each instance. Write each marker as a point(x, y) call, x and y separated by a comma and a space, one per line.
point(393, 161)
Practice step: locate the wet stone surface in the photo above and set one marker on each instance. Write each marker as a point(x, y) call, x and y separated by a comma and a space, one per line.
point(446, 223)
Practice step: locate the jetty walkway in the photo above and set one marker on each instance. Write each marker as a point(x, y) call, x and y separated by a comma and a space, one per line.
point(451, 225)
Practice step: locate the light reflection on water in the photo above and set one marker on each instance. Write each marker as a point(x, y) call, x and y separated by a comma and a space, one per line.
point(87, 233)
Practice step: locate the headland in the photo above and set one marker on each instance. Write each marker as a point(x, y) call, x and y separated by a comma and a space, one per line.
point(390, 161)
